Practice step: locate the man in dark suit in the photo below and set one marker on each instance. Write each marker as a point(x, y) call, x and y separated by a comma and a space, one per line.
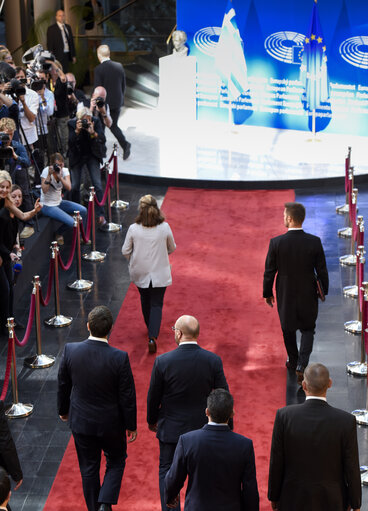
point(60, 41)
point(110, 74)
point(295, 256)
point(219, 464)
point(181, 380)
point(96, 395)
point(314, 462)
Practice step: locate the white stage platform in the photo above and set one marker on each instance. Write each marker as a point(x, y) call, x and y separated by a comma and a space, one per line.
point(201, 151)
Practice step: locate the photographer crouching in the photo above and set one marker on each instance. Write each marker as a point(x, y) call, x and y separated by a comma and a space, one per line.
point(86, 147)
point(54, 179)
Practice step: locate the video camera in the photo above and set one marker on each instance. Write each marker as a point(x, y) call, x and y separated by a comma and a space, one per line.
point(37, 59)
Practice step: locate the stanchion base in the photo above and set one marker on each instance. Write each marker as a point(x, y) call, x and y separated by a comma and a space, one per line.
point(80, 285)
point(19, 410)
point(350, 291)
point(357, 369)
point(342, 210)
point(39, 361)
point(94, 256)
point(58, 321)
point(361, 417)
point(110, 227)
point(119, 204)
point(344, 233)
point(353, 327)
point(348, 260)
point(364, 475)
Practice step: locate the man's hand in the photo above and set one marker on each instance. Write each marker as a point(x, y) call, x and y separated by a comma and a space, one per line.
point(74, 60)
point(64, 418)
point(91, 128)
point(173, 503)
point(153, 427)
point(14, 258)
point(132, 435)
point(78, 126)
point(37, 206)
point(270, 301)
point(17, 484)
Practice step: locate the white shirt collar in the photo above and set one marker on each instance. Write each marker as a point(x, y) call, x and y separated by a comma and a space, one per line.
point(104, 59)
point(210, 423)
point(316, 397)
point(60, 25)
point(188, 342)
point(295, 228)
point(102, 339)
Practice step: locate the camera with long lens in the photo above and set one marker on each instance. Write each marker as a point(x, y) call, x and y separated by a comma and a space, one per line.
point(69, 88)
point(85, 124)
point(37, 83)
point(56, 168)
point(16, 88)
point(5, 151)
point(100, 102)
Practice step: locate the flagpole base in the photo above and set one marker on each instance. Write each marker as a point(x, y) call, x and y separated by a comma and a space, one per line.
point(58, 321)
point(350, 291)
point(353, 327)
point(358, 369)
point(348, 260)
point(119, 204)
point(345, 232)
point(342, 210)
point(81, 285)
point(110, 227)
point(39, 361)
point(361, 417)
point(94, 256)
point(19, 410)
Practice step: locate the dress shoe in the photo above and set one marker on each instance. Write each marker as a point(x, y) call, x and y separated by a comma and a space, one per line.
point(105, 507)
point(127, 151)
point(27, 232)
point(299, 376)
point(152, 346)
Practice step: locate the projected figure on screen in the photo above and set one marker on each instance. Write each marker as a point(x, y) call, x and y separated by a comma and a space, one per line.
point(179, 39)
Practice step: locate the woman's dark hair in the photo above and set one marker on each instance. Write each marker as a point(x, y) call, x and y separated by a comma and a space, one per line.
point(149, 213)
point(56, 157)
point(16, 187)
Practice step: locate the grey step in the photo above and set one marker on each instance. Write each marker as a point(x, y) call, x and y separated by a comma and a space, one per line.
point(141, 76)
point(149, 62)
point(141, 94)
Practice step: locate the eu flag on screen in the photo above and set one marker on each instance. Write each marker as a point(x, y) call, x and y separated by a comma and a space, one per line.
point(229, 57)
point(313, 70)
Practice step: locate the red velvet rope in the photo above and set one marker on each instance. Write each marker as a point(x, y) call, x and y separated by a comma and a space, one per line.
point(86, 234)
point(45, 302)
point(347, 165)
point(7, 370)
point(350, 192)
point(70, 260)
point(360, 282)
point(31, 314)
point(364, 324)
point(360, 238)
point(109, 184)
point(353, 221)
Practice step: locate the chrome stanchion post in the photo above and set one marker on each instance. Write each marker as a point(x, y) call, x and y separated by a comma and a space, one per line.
point(352, 291)
point(355, 326)
point(344, 208)
point(350, 259)
point(58, 320)
point(94, 255)
point(79, 284)
point(345, 232)
point(117, 203)
point(360, 368)
point(17, 410)
point(38, 361)
point(361, 415)
point(109, 226)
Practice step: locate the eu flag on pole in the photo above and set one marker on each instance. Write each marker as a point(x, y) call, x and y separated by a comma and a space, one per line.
point(313, 70)
point(229, 57)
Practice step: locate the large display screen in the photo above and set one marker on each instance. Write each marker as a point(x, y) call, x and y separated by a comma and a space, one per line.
point(273, 36)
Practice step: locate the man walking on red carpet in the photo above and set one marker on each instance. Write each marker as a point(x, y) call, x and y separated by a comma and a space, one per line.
point(296, 257)
point(314, 463)
point(96, 395)
point(181, 380)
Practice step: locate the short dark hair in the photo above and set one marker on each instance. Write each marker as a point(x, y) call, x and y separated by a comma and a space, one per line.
point(4, 485)
point(100, 321)
point(296, 211)
point(317, 378)
point(56, 157)
point(7, 70)
point(220, 404)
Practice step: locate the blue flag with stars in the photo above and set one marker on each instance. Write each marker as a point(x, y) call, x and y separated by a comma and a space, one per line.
point(313, 70)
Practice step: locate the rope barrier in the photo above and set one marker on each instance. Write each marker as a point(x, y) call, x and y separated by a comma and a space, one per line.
point(7, 370)
point(45, 301)
point(32, 309)
point(71, 255)
point(109, 185)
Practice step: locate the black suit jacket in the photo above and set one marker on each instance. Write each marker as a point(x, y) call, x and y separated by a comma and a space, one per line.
point(55, 42)
point(181, 380)
point(82, 146)
point(111, 75)
point(96, 388)
point(8, 453)
point(221, 471)
point(314, 462)
point(295, 257)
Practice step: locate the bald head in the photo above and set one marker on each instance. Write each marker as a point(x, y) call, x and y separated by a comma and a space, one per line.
point(103, 52)
point(187, 329)
point(99, 92)
point(316, 380)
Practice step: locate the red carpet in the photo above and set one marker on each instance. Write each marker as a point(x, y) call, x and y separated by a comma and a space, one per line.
point(222, 239)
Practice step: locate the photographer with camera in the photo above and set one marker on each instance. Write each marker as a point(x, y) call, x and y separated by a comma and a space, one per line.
point(54, 179)
point(76, 96)
point(28, 108)
point(8, 106)
point(86, 148)
point(58, 85)
point(99, 108)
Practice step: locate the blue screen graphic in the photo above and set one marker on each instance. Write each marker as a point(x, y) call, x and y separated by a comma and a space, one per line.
point(273, 35)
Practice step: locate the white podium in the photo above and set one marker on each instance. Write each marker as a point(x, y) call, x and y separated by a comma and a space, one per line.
point(178, 87)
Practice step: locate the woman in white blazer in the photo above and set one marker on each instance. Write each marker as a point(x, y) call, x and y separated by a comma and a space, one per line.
point(147, 246)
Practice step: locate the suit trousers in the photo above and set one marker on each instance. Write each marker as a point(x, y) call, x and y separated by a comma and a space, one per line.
point(152, 301)
point(301, 357)
point(93, 167)
point(89, 450)
point(167, 451)
point(114, 128)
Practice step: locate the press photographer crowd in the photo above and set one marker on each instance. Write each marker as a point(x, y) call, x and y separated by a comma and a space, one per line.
point(52, 142)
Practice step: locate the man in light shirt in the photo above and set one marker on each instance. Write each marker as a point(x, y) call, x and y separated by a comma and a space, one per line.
point(314, 463)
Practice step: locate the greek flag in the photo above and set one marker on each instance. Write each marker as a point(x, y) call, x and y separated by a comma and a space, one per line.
point(229, 57)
